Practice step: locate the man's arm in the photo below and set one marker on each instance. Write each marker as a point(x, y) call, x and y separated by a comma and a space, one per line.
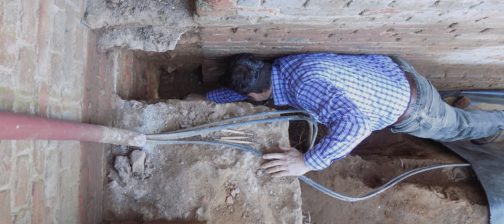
point(225, 95)
point(332, 108)
point(341, 140)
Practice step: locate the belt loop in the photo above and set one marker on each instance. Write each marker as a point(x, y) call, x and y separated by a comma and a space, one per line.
point(403, 64)
point(409, 73)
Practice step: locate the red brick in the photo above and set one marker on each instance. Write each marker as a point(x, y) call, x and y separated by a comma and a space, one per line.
point(1, 11)
point(456, 74)
point(57, 76)
point(216, 8)
point(90, 190)
point(8, 35)
point(5, 162)
point(60, 4)
point(497, 86)
point(495, 73)
point(5, 211)
point(70, 31)
point(92, 154)
point(23, 147)
point(435, 75)
point(10, 13)
point(43, 95)
point(22, 216)
point(80, 38)
point(217, 39)
point(22, 181)
point(58, 32)
point(24, 104)
point(6, 98)
point(38, 202)
point(480, 85)
point(126, 61)
point(29, 21)
point(257, 12)
point(220, 4)
point(26, 70)
point(38, 159)
point(43, 29)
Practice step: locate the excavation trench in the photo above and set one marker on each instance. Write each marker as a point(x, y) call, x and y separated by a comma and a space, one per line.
point(202, 184)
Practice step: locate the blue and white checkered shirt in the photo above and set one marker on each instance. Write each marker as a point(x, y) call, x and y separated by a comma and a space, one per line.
point(353, 95)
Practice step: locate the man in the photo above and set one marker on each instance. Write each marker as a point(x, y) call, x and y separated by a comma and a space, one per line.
point(352, 95)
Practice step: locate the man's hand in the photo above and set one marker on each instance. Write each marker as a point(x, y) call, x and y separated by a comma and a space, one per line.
point(288, 163)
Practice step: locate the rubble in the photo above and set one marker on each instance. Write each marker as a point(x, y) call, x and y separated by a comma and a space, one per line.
point(195, 182)
point(137, 161)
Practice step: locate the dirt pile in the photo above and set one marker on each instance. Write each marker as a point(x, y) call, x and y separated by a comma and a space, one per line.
point(139, 25)
point(443, 196)
point(194, 182)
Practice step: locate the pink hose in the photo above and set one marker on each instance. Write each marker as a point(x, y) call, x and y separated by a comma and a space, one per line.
point(18, 127)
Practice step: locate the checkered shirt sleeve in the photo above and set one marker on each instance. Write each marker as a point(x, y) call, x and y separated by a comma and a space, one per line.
point(348, 126)
point(225, 95)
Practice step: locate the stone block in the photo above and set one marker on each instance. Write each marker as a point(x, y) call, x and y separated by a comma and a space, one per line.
point(137, 158)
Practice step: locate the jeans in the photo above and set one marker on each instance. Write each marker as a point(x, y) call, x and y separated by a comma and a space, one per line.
point(434, 119)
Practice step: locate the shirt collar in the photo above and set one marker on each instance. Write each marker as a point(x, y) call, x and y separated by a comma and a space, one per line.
point(278, 86)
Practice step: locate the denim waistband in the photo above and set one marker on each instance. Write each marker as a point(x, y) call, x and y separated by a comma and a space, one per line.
point(421, 88)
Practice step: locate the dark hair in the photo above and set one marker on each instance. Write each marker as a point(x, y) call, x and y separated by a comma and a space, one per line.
point(246, 74)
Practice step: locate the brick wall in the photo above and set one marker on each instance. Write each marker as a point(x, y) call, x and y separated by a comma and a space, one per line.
point(456, 44)
point(42, 60)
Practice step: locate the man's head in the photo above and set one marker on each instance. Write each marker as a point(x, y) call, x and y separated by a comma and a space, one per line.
point(249, 76)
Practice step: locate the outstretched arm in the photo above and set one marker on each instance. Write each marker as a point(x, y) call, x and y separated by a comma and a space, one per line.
point(225, 95)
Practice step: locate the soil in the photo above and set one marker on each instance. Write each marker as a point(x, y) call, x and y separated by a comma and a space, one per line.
point(199, 184)
point(193, 182)
point(443, 196)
